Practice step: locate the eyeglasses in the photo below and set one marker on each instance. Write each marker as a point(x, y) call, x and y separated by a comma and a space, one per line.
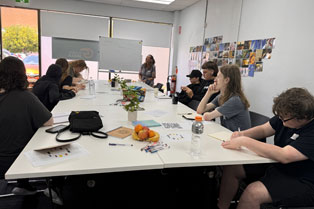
point(286, 120)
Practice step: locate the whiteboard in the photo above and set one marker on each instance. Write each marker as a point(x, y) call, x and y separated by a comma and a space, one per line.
point(120, 54)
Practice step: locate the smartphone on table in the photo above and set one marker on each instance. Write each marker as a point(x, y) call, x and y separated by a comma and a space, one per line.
point(55, 129)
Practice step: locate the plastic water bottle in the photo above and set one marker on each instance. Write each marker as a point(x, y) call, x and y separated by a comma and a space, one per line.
point(91, 86)
point(197, 131)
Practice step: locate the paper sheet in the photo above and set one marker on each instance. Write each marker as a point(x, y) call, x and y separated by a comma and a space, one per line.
point(221, 135)
point(56, 154)
point(60, 117)
point(156, 113)
point(176, 137)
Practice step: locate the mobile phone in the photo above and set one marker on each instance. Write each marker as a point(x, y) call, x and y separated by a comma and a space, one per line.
point(55, 129)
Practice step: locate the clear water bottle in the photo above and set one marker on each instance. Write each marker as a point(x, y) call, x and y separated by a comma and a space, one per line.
point(197, 131)
point(91, 86)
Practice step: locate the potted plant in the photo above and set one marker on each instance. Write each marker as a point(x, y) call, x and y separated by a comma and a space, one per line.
point(131, 97)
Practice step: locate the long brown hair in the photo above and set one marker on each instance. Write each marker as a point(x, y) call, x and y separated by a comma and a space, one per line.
point(234, 86)
point(64, 66)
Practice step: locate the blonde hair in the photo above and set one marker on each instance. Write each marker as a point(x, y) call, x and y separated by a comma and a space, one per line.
point(234, 86)
point(78, 63)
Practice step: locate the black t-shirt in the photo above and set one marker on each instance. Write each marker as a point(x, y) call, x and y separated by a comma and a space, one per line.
point(67, 81)
point(184, 98)
point(21, 114)
point(301, 139)
point(200, 93)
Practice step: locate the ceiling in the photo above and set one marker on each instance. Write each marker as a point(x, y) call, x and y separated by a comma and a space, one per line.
point(174, 6)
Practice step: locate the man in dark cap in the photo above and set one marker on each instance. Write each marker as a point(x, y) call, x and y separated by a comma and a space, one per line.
point(187, 93)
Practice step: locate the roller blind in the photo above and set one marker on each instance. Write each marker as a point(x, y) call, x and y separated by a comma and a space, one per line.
point(152, 34)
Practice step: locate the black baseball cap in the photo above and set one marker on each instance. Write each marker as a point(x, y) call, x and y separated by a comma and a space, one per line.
point(195, 74)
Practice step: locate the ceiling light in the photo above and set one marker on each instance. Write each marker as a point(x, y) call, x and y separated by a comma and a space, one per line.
point(157, 1)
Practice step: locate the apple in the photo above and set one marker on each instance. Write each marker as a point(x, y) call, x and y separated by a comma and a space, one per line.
point(145, 128)
point(143, 134)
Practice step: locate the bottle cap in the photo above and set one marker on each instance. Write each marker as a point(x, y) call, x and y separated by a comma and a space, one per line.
point(198, 118)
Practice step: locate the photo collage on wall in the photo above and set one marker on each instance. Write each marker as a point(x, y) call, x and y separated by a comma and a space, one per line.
point(248, 55)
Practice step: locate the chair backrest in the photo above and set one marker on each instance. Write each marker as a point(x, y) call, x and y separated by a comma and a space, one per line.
point(193, 104)
point(258, 119)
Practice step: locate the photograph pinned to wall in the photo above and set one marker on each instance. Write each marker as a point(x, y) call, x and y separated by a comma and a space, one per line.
point(239, 54)
point(256, 44)
point(219, 62)
point(245, 62)
point(225, 54)
point(231, 54)
point(251, 70)
point(213, 47)
point(215, 53)
point(233, 46)
point(231, 61)
point(207, 41)
point(211, 55)
point(240, 45)
point(252, 58)
point(238, 62)
point(224, 61)
point(247, 44)
point(217, 40)
point(221, 47)
point(267, 53)
point(220, 53)
point(227, 47)
point(246, 54)
point(259, 67)
point(263, 43)
point(259, 55)
point(270, 43)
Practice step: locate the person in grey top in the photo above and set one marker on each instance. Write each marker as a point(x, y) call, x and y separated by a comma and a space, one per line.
point(147, 72)
point(231, 104)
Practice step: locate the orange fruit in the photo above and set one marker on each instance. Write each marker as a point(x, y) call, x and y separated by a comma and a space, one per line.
point(138, 128)
point(151, 133)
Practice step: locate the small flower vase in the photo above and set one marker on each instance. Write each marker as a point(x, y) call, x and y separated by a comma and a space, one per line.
point(132, 116)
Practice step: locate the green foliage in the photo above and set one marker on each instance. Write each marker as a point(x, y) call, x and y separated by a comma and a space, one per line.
point(129, 94)
point(19, 38)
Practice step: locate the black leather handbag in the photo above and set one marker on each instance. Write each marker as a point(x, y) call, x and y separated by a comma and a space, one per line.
point(83, 123)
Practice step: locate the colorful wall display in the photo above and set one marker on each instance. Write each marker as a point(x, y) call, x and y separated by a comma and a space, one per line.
point(248, 55)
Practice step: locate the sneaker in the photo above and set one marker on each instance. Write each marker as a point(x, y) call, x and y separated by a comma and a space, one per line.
point(55, 197)
point(23, 191)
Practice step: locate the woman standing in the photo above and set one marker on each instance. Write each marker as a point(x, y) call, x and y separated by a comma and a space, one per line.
point(147, 72)
point(231, 104)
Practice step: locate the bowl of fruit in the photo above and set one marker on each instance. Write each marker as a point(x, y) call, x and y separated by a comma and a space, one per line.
point(143, 133)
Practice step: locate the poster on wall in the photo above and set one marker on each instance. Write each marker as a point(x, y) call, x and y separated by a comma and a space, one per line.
point(247, 54)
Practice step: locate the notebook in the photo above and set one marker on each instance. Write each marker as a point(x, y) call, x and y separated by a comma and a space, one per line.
point(148, 123)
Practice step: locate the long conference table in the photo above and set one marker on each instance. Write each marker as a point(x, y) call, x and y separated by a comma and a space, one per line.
point(102, 158)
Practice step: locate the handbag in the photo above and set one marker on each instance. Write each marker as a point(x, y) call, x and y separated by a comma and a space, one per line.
point(83, 123)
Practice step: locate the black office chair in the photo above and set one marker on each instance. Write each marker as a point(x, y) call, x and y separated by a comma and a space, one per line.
point(258, 119)
point(193, 104)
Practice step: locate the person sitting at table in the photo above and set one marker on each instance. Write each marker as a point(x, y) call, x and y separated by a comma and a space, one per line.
point(230, 105)
point(210, 70)
point(74, 70)
point(187, 93)
point(289, 182)
point(47, 87)
point(21, 115)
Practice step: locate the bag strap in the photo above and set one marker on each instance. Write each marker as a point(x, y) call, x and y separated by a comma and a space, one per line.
point(105, 135)
point(69, 139)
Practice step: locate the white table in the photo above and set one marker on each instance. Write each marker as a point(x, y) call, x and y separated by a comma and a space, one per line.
point(103, 158)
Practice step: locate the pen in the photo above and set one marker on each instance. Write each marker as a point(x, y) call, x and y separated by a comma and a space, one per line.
point(114, 144)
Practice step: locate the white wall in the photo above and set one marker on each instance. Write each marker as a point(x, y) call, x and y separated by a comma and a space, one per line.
point(289, 21)
point(192, 24)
